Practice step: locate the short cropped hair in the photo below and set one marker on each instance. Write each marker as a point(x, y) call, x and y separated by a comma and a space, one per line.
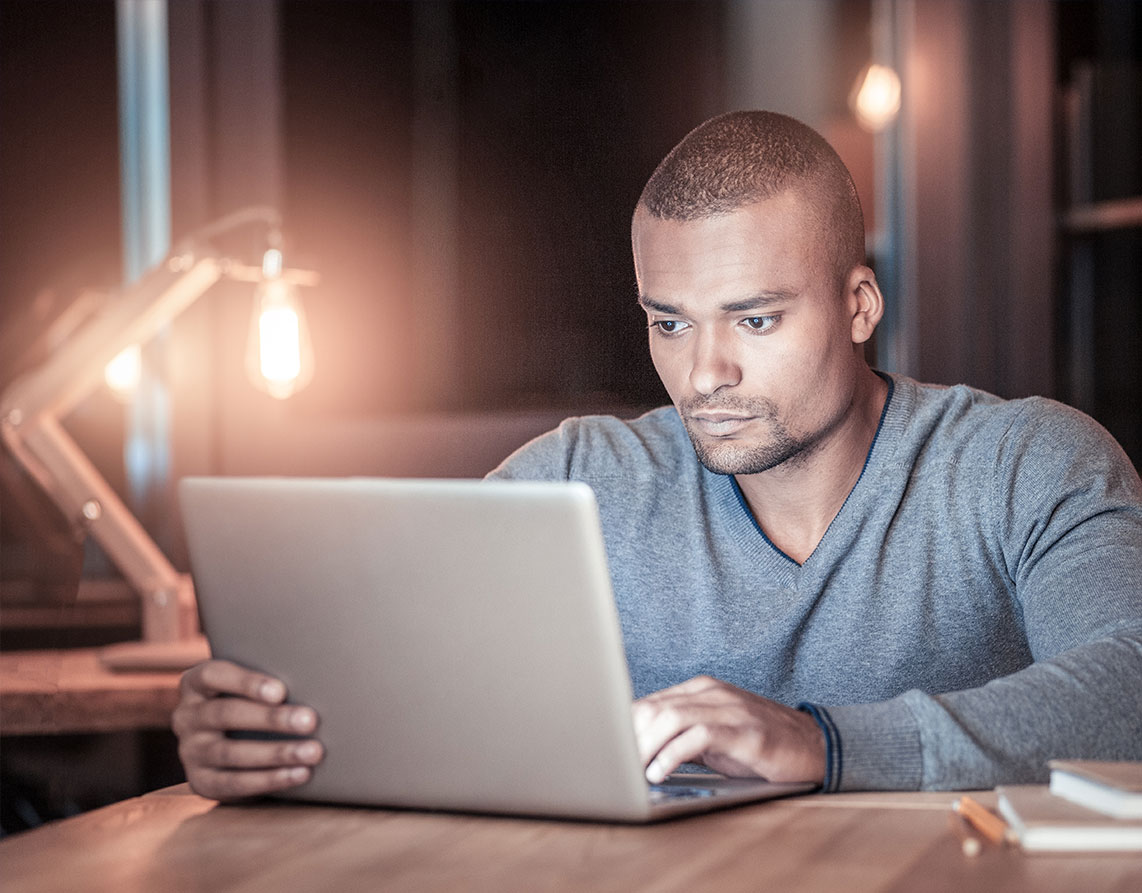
point(741, 158)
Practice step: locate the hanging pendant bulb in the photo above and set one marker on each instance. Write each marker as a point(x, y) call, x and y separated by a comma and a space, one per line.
point(279, 355)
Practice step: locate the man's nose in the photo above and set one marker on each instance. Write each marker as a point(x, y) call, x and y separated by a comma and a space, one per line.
point(714, 365)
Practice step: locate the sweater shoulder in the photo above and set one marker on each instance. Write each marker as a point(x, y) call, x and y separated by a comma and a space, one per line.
point(586, 447)
point(960, 423)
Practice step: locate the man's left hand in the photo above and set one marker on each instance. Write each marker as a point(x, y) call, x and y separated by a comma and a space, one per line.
point(729, 730)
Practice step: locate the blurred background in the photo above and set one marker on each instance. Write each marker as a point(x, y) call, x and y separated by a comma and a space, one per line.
point(461, 176)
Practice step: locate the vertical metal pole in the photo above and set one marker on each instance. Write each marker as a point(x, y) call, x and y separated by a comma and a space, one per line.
point(144, 133)
point(895, 25)
point(890, 350)
point(144, 136)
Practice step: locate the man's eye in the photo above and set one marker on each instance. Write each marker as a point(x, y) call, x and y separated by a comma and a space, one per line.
point(761, 323)
point(667, 326)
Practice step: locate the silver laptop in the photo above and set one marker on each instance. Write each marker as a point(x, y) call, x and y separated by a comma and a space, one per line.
point(458, 639)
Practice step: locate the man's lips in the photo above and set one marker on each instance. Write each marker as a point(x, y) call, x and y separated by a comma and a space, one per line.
point(719, 424)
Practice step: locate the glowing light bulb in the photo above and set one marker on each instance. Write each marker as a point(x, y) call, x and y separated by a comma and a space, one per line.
point(875, 99)
point(279, 336)
point(279, 357)
point(124, 373)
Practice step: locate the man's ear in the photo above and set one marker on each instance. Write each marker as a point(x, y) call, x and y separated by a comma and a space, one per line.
point(866, 303)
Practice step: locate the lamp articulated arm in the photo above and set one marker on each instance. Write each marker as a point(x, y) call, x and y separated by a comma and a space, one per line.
point(31, 409)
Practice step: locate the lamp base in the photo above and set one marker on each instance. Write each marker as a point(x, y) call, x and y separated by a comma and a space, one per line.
point(148, 657)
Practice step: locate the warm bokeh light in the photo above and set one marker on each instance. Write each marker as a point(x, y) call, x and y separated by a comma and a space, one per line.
point(279, 358)
point(124, 372)
point(876, 97)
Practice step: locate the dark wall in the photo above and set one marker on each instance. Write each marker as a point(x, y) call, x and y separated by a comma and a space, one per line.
point(1100, 281)
point(59, 158)
point(59, 234)
point(558, 113)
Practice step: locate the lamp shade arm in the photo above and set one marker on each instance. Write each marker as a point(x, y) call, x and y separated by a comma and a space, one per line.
point(76, 369)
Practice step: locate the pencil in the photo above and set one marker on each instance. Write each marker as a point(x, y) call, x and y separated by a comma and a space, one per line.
point(969, 843)
point(983, 820)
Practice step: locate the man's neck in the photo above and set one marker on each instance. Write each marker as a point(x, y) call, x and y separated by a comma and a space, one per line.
point(796, 502)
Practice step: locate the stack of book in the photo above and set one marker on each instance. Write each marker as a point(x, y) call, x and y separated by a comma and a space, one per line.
point(1089, 806)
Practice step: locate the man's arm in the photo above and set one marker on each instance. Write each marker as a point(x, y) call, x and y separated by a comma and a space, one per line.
point(219, 698)
point(1085, 703)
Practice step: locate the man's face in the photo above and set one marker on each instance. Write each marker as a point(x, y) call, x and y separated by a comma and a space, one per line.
point(750, 331)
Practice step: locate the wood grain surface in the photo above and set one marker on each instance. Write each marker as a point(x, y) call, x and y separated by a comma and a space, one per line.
point(172, 840)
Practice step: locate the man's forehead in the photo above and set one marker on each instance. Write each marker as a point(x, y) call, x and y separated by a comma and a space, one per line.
point(778, 233)
point(761, 240)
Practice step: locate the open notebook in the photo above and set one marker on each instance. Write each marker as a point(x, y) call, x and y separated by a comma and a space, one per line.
point(458, 639)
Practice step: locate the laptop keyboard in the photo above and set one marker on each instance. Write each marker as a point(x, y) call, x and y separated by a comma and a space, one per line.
point(660, 793)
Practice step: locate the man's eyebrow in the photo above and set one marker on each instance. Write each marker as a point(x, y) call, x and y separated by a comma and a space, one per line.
point(755, 302)
point(658, 306)
point(759, 301)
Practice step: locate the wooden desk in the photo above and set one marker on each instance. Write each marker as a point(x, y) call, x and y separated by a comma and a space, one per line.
point(55, 692)
point(171, 840)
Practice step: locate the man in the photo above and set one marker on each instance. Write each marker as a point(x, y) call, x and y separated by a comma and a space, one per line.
point(823, 573)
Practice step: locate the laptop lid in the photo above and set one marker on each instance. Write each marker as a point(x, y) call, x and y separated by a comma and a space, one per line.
point(458, 639)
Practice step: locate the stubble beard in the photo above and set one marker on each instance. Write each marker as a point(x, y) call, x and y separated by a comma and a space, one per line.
point(729, 456)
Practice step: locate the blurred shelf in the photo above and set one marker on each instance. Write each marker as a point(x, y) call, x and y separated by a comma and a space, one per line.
point(96, 603)
point(1102, 216)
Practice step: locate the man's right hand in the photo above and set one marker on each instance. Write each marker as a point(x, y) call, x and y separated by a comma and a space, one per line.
point(218, 697)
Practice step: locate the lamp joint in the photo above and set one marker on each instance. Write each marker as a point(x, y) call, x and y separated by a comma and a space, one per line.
point(92, 511)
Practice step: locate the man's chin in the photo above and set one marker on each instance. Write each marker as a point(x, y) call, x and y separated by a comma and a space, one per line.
point(725, 458)
point(730, 456)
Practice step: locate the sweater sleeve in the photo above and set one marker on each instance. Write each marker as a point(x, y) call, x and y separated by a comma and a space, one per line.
point(1067, 515)
point(1085, 703)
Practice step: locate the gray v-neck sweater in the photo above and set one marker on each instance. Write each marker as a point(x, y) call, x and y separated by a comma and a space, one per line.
point(974, 609)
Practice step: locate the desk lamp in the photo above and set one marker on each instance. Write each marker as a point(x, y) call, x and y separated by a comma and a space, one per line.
point(33, 405)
